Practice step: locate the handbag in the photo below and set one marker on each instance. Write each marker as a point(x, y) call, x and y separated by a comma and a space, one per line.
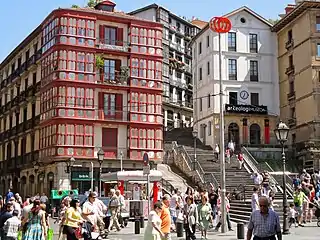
point(78, 233)
point(50, 234)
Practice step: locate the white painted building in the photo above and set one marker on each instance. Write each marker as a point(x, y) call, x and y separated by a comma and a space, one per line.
point(250, 78)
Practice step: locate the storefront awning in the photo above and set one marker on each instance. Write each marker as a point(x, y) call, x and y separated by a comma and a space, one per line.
point(131, 176)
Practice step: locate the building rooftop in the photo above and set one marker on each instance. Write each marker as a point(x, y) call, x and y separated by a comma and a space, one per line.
point(154, 5)
point(244, 8)
point(295, 12)
point(31, 36)
point(199, 23)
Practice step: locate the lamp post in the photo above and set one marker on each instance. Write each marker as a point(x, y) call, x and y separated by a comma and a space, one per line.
point(36, 166)
point(121, 161)
point(195, 135)
point(282, 132)
point(100, 159)
point(68, 170)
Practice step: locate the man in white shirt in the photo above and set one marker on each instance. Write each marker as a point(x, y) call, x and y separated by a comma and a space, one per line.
point(90, 211)
point(255, 199)
point(11, 226)
point(16, 206)
point(174, 205)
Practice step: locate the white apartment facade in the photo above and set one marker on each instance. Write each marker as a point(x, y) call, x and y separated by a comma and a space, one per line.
point(249, 77)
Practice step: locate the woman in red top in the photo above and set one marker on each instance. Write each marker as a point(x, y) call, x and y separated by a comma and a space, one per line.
point(311, 199)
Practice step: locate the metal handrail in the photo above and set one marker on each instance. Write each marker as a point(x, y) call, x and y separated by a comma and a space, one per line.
point(252, 159)
point(198, 167)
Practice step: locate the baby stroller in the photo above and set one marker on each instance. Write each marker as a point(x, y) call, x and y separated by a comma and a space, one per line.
point(317, 212)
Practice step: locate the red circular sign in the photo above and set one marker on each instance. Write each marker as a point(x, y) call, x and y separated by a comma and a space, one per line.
point(220, 24)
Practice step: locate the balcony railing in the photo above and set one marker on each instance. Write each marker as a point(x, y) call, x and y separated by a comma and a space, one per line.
point(122, 46)
point(290, 70)
point(111, 116)
point(118, 78)
point(292, 122)
point(289, 44)
point(291, 95)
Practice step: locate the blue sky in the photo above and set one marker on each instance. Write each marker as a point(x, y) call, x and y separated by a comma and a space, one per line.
point(18, 18)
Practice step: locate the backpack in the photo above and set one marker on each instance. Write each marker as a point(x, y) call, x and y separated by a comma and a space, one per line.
point(114, 202)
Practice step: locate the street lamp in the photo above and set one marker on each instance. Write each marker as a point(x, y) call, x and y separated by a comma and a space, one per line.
point(36, 166)
point(195, 135)
point(121, 161)
point(282, 132)
point(100, 159)
point(70, 163)
point(68, 170)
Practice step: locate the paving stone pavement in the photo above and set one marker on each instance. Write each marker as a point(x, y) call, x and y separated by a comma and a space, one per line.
point(309, 232)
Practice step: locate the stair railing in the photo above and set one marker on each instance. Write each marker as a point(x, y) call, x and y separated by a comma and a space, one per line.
point(198, 167)
point(253, 165)
point(190, 162)
point(288, 180)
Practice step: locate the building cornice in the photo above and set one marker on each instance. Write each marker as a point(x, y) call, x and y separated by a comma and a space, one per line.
point(297, 11)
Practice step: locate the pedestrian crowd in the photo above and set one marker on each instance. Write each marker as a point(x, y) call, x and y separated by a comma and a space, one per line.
point(26, 220)
point(195, 209)
point(77, 220)
point(305, 198)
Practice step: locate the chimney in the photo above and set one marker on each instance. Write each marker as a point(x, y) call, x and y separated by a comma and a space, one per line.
point(289, 8)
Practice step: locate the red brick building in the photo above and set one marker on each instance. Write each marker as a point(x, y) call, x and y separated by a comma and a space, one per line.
point(101, 87)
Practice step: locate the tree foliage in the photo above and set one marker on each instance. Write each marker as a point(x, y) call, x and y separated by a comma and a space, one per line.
point(273, 21)
point(74, 6)
point(92, 3)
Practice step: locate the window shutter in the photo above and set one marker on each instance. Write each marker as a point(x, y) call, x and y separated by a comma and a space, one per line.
point(101, 33)
point(120, 36)
point(100, 101)
point(119, 107)
point(118, 68)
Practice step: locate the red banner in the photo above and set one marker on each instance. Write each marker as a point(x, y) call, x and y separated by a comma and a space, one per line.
point(121, 187)
point(155, 191)
point(266, 131)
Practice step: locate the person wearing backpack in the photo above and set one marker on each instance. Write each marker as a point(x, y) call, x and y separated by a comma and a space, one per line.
point(114, 208)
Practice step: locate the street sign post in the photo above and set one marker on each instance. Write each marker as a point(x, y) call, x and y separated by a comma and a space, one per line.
point(146, 171)
point(221, 25)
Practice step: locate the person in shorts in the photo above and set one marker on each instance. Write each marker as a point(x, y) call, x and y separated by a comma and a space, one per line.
point(298, 200)
point(292, 216)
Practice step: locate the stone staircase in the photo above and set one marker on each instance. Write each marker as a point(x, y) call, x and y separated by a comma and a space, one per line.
point(240, 211)
point(179, 148)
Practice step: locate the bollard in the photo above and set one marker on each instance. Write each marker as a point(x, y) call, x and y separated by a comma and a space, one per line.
point(240, 231)
point(137, 226)
point(179, 229)
point(142, 222)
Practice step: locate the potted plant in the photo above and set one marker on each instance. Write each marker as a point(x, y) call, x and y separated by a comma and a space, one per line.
point(99, 62)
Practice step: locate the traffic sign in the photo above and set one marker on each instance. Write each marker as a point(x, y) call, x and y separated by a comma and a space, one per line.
point(145, 159)
point(146, 170)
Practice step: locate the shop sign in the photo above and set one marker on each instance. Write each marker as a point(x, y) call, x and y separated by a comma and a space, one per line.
point(246, 109)
point(81, 176)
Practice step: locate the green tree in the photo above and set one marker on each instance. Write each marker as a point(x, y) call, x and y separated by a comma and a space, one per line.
point(273, 21)
point(74, 6)
point(92, 3)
